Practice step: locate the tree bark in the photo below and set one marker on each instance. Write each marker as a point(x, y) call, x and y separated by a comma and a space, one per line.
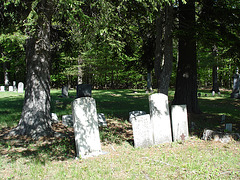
point(166, 69)
point(35, 120)
point(186, 82)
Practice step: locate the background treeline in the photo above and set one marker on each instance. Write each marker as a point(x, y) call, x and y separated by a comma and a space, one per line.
point(111, 44)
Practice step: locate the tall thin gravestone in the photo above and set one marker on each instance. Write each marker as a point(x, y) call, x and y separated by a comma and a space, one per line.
point(179, 122)
point(85, 123)
point(20, 87)
point(65, 91)
point(142, 131)
point(236, 85)
point(160, 118)
point(14, 86)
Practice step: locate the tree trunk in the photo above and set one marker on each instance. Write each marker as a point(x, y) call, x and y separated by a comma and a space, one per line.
point(186, 82)
point(159, 48)
point(166, 69)
point(35, 120)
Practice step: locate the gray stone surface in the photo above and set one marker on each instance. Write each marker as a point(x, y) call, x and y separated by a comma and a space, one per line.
point(67, 120)
point(10, 88)
point(20, 87)
point(101, 120)
point(228, 127)
point(65, 91)
point(160, 118)
point(133, 114)
point(179, 122)
point(142, 131)
point(85, 125)
point(236, 85)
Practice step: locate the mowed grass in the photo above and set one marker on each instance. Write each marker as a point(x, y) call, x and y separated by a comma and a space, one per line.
point(54, 158)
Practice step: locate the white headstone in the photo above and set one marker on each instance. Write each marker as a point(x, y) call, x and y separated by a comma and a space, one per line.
point(20, 87)
point(54, 118)
point(133, 114)
point(2, 88)
point(85, 123)
point(67, 120)
point(160, 118)
point(10, 88)
point(65, 91)
point(229, 127)
point(142, 131)
point(101, 120)
point(179, 122)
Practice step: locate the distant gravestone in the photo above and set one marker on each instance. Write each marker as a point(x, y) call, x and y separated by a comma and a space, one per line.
point(67, 120)
point(85, 125)
point(142, 131)
point(160, 118)
point(101, 120)
point(228, 127)
point(2, 88)
point(20, 87)
point(236, 85)
point(133, 114)
point(10, 88)
point(54, 118)
point(14, 86)
point(213, 93)
point(179, 122)
point(65, 91)
point(84, 90)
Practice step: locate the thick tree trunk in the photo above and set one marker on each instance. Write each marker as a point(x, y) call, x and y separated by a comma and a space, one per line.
point(166, 69)
point(159, 48)
point(36, 118)
point(186, 82)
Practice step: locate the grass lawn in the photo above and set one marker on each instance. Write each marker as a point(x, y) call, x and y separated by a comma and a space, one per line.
point(54, 158)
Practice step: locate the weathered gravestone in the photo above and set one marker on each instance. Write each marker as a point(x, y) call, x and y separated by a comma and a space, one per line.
point(10, 88)
point(2, 88)
point(85, 125)
point(160, 118)
point(54, 118)
point(20, 87)
point(101, 120)
point(179, 122)
point(133, 114)
point(65, 91)
point(67, 120)
point(228, 127)
point(236, 83)
point(84, 90)
point(14, 86)
point(142, 131)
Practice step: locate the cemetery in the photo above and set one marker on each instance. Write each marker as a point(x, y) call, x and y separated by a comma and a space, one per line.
point(119, 89)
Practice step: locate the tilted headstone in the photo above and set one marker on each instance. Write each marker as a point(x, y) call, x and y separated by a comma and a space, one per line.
point(2, 88)
point(160, 118)
point(85, 125)
point(133, 114)
point(179, 122)
point(20, 87)
point(101, 120)
point(14, 86)
point(142, 131)
point(65, 91)
point(10, 88)
point(67, 120)
point(84, 90)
